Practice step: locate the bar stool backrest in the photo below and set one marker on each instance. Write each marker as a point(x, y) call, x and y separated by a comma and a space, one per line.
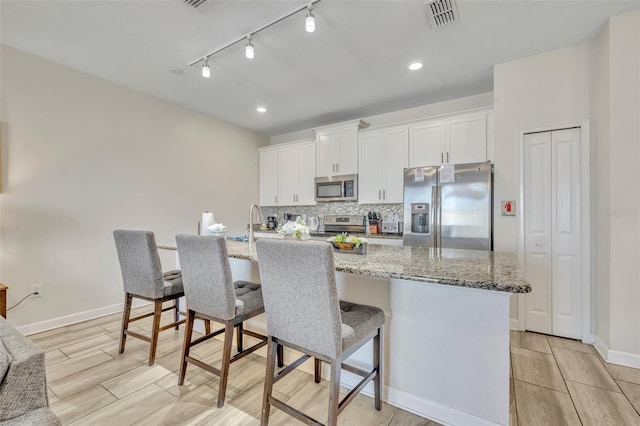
point(300, 294)
point(139, 263)
point(206, 275)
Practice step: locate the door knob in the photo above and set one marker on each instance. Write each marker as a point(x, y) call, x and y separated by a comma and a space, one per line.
point(538, 244)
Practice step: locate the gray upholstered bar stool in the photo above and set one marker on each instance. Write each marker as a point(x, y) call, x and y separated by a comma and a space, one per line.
point(212, 294)
point(304, 313)
point(142, 277)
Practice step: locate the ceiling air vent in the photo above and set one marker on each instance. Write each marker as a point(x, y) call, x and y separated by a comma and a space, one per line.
point(441, 12)
point(194, 3)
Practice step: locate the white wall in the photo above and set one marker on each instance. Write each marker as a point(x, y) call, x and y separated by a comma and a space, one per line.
point(424, 111)
point(624, 165)
point(83, 157)
point(601, 185)
point(548, 89)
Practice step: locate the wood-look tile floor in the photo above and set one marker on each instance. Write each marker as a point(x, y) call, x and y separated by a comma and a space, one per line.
point(553, 382)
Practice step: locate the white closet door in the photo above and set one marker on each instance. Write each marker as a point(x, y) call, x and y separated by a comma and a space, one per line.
point(565, 232)
point(537, 228)
point(552, 232)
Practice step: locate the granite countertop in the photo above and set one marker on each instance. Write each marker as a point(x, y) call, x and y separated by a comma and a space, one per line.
point(497, 271)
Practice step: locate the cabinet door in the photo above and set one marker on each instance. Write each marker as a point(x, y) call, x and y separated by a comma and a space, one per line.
point(370, 176)
point(306, 174)
point(426, 144)
point(467, 139)
point(326, 151)
point(347, 150)
point(288, 175)
point(269, 177)
point(396, 158)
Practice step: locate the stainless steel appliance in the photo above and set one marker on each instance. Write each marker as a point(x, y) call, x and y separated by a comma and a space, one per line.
point(337, 188)
point(448, 206)
point(337, 224)
point(272, 222)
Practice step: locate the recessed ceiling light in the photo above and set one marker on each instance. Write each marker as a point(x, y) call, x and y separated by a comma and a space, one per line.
point(261, 109)
point(416, 65)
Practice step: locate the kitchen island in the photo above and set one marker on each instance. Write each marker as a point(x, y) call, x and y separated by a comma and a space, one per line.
point(446, 338)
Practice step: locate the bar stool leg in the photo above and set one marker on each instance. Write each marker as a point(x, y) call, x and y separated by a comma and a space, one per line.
point(226, 360)
point(186, 346)
point(377, 383)
point(207, 327)
point(317, 367)
point(239, 336)
point(175, 312)
point(334, 392)
point(272, 348)
point(126, 314)
point(157, 314)
point(280, 356)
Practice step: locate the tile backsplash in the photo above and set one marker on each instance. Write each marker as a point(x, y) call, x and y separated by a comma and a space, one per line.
point(341, 207)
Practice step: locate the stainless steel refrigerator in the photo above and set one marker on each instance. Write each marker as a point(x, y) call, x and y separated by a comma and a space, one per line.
point(448, 206)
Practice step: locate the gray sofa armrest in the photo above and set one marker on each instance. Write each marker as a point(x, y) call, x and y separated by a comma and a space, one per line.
point(24, 387)
point(40, 417)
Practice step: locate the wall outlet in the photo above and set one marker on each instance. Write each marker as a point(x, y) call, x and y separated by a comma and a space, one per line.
point(36, 288)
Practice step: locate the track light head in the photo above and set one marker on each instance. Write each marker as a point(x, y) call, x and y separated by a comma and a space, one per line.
point(249, 52)
point(310, 22)
point(206, 71)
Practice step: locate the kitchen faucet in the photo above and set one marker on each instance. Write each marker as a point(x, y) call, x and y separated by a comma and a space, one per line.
point(260, 218)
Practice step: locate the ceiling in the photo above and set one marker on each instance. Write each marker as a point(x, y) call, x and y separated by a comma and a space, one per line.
point(354, 65)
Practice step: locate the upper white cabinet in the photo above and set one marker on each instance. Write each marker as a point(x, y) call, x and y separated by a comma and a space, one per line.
point(269, 176)
point(337, 149)
point(287, 174)
point(383, 158)
point(467, 139)
point(426, 144)
point(296, 174)
point(451, 141)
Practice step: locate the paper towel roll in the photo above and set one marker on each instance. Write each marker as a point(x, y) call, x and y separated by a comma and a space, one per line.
point(207, 220)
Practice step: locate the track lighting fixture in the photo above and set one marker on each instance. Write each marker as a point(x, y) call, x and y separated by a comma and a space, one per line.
point(248, 49)
point(206, 71)
point(310, 22)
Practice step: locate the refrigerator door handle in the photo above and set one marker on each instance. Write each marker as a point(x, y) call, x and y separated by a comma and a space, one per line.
point(439, 201)
point(434, 219)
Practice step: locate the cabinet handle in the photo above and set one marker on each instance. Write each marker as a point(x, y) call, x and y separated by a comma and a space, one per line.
point(442, 157)
point(337, 167)
point(447, 156)
point(275, 198)
point(379, 194)
point(384, 194)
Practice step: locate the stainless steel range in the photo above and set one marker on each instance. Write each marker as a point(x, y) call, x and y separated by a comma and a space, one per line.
point(353, 224)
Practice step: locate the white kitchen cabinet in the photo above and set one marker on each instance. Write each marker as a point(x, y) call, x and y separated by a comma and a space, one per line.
point(287, 174)
point(383, 158)
point(337, 149)
point(269, 176)
point(426, 144)
point(466, 139)
point(297, 166)
point(450, 141)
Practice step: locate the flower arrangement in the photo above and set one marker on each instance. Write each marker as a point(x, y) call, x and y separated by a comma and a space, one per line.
point(298, 229)
point(346, 242)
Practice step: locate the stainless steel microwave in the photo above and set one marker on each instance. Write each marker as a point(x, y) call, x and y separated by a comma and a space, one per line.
point(337, 188)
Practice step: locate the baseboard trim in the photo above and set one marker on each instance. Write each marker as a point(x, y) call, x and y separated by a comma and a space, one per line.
point(41, 326)
point(513, 323)
point(625, 359)
point(419, 406)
